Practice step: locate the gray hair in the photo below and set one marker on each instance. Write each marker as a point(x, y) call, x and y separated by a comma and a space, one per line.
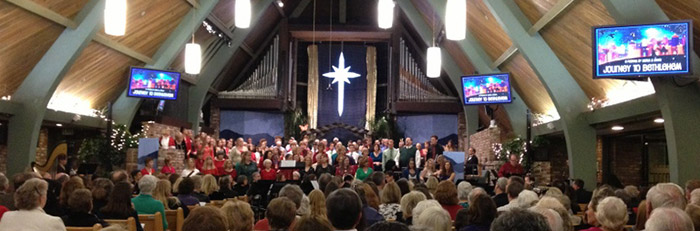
point(527, 199)
point(305, 207)
point(520, 219)
point(147, 184)
point(293, 192)
point(27, 196)
point(501, 183)
point(695, 197)
point(556, 223)
point(632, 191)
point(409, 202)
point(666, 195)
point(463, 190)
point(424, 205)
point(669, 219)
point(611, 213)
point(4, 182)
point(197, 180)
point(436, 218)
point(475, 192)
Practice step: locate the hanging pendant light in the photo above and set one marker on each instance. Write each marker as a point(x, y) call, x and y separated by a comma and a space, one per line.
point(115, 17)
point(242, 13)
point(385, 13)
point(456, 19)
point(193, 58)
point(434, 62)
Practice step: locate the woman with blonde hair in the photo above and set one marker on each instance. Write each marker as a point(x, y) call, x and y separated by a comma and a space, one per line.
point(408, 202)
point(434, 218)
point(162, 193)
point(239, 216)
point(391, 197)
point(432, 184)
point(74, 183)
point(209, 167)
point(317, 202)
point(209, 185)
point(30, 198)
point(428, 170)
point(372, 197)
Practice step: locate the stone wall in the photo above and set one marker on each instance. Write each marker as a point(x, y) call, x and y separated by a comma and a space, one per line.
point(3, 159)
point(626, 160)
point(42, 146)
point(154, 130)
point(542, 171)
point(131, 161)
point(483, 141)
point(177, 158)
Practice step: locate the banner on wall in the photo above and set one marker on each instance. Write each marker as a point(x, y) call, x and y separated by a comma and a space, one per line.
point(148, 148)
point(457, 160)
point(251, 124)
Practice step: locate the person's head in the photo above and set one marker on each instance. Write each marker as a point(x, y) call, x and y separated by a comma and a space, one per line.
point(554, 221)
point(409, 141)
point(527, 199)
point(665, 195)
point(209, 185)
point(313, 223)
point(632, 191)
point(409, 201)
point(694, 197)
point(463, 190)
point(190, 164)
point(256, 176)
point(242, 180)
point(371, 196)
point(434, 218)
point(669, 219)
point(205, 218)
point(239, 216)
point(19, 179)
point(147, 184)
point(101, 187)
point(245, 157)
point(404, 186)
point(31, 194)
point(317, 203)
point(81, 201)
point(482, 210)
point(501, 184)
point(446, 193)
point(186, 186)
point(4, 183)
point(74, 183)
point(472, 151)
point(149, 162)
point(378, 178)
point(513, 189)
point(280, 213)
point(162, 191)
point(520, 220)
point(513, 159)
point(344, 209)
point(578, 184)
point(611, 213)
point(433, 140)
point(390, 143)
point(424, 205)
point(691, 185)
point(391, 194)
point(292, 192)
point(693, 211)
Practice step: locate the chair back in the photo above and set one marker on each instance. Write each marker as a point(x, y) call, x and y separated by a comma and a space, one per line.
point(175, 219)
point(128, 224)
point(95, 227)
point(152, 222)
point(217, 203)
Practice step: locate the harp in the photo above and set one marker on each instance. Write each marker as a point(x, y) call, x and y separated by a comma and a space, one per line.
point(61, 149)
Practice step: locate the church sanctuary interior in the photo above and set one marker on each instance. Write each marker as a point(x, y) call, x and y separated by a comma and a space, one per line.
point(365, 115)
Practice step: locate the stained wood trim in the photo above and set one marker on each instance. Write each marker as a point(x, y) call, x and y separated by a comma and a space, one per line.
point(434, 107)
point(512, 50)
point(47, 13)
point(548, 17)
point(121, 48)
point(262, 104)
point(193, 3)
point(300, 8)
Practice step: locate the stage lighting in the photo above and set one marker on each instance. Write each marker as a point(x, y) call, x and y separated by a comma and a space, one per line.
point(115, 17)
point(659, 120)
point(193, 58)
point(434, 62)
point(242, 13)
point(617, 128)
point(385, 13)
point(456, 19)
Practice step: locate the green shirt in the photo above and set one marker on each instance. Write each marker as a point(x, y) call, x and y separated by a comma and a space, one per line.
point(362, 175)
point(243, 169)
point(145, 204)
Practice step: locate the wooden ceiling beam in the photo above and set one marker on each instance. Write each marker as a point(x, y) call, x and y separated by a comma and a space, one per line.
point(300, 8)
point(121, 48)
point(346, 36)
point(512, 50)
point(220, 25)
point(193, 3)
point(548, 17)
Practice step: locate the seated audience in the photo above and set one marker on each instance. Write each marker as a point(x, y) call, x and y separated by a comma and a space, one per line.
point(317, 203)
point(280, 213)
point(669, 219)
point(501, 197)
point(80, 214)
point(144, 202)
point(446, 195)
point(518, 219)
point(162, 193)
point(30, 198)
point(291, 192)
point(665, 195)
point(167, 167)
point(611, 214)
point(344, 209)
point(6, 196)
point(313, 223)
point(388, 226)
point(513, 190)
point(422, 206)
point(553, 203)
point(210, 187)
point(241, 187)
point(225, 189)
point(463, 190)
point(690, 186)
point(100, 193)
point(185, 191)
point(198, 181)
point(239, 216)
point(553, 219)
point(205, 218)
point(391, 197)
point(369, 214)
point(693, 211)
point(527, 199)
point(432, 184)
point(119, 205)
point(74, 183)
point(408, 202)
point(480, 214)
point(435, 219)
point(582, 195)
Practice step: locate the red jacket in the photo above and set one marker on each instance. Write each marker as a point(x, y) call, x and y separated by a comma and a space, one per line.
point(268, 175)
point(171, 142)
point(167, 170)
point(507, 170)
point(145, 171)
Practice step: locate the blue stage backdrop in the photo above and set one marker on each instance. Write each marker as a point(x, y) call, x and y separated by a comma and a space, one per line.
point(421, 127)
point(355, 92)
point(256, 125)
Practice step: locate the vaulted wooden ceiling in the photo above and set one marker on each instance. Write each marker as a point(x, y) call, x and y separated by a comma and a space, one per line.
point(99, 74)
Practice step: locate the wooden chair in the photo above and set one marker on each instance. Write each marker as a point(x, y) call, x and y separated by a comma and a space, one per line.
point(583, 207)
point(151, 222)
point(128, 224)
point(175, 219)
point(95, 227)
point(192, 207)
point(217, 203)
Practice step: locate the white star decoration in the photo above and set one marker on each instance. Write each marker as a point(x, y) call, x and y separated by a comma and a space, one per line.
point(341, 75)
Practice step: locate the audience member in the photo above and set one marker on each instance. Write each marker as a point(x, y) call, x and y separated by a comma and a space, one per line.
point(553, 203)
point(388, 226)
point(665, 195)
point(513, 190)
point(185, 192)
point(422, 206)
point(611, 214)
point(30, 198)
point(553, 219)
point(520, 220)
point(239, 216)
point(280, 213)
point(198, 182)
point(464, 188)
point(693, 211)
point(408, 202)
point(144, 202)
point(480, 214)
point(291, 192)
point(669, 218)
point(80, 214)
point(391, 197)
point(313, 223)
point(317, 203)
point(527, 199)
point(74, 183)
point(6, 196)
point(446, 195)
point(205, 218)
point(434, 218)
point(162, 193)
point(642, 216)
point(100, 193)
point(344, 209)
point(690, 186)
point(369, 214)
point(119, 205)
point(582, 195)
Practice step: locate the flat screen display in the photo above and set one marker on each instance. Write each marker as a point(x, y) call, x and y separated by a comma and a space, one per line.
point(634, 51)
point(153, 84)
point(486, 89)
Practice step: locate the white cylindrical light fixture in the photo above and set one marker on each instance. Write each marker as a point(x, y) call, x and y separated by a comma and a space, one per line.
point(115, 17)
point(434, 62)
point(385, 13)
point(193, 58)
point(242, 13)
point(456, 19)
